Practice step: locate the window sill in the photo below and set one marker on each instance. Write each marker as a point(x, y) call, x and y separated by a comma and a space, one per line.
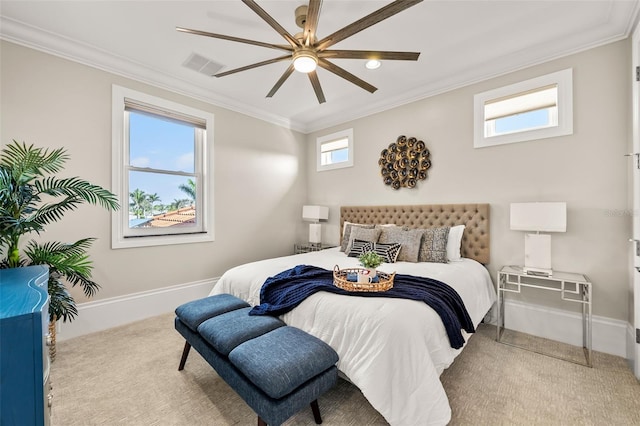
point(160, 240)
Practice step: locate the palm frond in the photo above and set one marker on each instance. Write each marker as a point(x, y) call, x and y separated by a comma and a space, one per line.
point(65, 306)
point(68, 260)
point(6, 185)
point(56, 248)
point(80, 189)
point(89, 287)
point(5, 265)
point(53, 212)
point(61, 256)
point(26, 161)
point(10, 226)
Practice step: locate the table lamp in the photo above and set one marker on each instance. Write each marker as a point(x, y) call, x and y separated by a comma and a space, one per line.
point(315, 214)
point(539, 217)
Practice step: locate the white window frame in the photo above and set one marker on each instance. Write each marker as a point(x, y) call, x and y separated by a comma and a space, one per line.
point(564, 81)
point(120, 237)
point(348, 134)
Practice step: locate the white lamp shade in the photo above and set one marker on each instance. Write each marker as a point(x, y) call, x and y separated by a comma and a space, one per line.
point(315, 213)
point(541, 217)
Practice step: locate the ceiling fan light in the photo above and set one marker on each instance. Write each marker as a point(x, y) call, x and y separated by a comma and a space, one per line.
point(305, 62)
point(373, 64)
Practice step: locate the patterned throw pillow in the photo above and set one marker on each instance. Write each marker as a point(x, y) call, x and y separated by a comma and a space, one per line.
point(388, 252)
point(409, 239)
point(358, 247)
point(364, 234)
point(434, 245)
point(346, 233)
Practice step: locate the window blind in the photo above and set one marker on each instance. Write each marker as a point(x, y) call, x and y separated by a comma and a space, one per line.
point(531, 100)
point(164, 114)
point(334, 145)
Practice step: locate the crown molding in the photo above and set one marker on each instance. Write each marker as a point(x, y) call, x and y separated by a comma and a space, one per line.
point(36, 38)
point(618, 17)
point(54, 44)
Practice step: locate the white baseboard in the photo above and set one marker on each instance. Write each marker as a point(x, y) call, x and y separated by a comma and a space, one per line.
point(107, 313)
point(608, 336)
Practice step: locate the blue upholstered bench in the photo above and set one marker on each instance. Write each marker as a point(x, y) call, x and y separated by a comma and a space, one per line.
point(276, 369)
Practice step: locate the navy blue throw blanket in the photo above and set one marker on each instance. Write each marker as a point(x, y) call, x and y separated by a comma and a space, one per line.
point(283, 292)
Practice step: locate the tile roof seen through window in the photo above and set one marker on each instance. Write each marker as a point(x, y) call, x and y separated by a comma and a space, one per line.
point(183, 216)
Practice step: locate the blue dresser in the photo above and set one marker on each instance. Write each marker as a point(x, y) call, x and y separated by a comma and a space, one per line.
point(25, 397)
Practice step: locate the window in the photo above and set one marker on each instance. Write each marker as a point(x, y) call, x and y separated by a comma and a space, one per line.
point(534, 109)
point(160, 162)
point(335, 151)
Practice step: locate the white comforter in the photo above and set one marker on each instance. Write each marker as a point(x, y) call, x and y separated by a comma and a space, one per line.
point(394, 350)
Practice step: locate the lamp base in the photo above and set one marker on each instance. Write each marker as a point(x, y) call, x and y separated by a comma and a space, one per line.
point(537, 254)
point(315, 233)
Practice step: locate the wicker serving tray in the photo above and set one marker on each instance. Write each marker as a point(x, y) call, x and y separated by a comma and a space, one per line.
point(385, 281)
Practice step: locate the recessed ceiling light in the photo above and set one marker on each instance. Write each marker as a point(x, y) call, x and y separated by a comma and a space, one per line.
point(373, 64)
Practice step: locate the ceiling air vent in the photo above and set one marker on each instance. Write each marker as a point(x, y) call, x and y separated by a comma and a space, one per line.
point(202, 65)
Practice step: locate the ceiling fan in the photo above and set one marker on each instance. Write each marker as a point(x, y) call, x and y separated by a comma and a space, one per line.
point(306, 52)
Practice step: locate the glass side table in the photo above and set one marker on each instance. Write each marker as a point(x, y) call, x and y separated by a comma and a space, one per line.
point(309, 247)
point(574, 288)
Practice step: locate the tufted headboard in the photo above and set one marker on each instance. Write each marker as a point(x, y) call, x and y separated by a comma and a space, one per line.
point(475, 217)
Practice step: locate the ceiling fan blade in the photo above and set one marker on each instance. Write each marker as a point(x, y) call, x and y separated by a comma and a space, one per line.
point(231, 38)
point(256, 65)
point(379, 15)
point(272, 22)
point(369, 54)
point(346, 75)
point(313, 77)
point(311, 24)
point(282, 79)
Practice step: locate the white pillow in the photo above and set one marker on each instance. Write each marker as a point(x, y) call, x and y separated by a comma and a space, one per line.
point(453, 242)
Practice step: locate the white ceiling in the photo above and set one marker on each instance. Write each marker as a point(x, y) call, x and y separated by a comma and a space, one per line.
point(460, 42)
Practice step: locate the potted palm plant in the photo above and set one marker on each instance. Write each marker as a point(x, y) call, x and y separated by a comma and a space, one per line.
point(31, 197)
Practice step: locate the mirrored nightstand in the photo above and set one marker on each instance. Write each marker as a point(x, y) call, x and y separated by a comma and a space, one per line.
point(309, 247)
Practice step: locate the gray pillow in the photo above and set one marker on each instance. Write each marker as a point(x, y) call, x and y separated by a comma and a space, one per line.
point(434, 245)
point(409, 239)
point(363, 234)
point(346, 233)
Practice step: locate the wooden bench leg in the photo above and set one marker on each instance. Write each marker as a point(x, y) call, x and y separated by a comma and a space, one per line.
point(185, 354)
point(316, 412)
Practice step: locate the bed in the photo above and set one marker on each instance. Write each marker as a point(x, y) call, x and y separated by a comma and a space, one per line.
point(393, 350)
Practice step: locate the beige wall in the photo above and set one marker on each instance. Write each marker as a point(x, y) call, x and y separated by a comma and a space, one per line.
point(264, 173)
point(259, 173)
point(587, 170)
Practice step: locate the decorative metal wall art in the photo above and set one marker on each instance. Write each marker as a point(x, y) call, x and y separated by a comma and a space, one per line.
point(404, 162)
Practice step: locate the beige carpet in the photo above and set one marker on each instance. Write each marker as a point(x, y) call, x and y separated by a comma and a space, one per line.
point(128, 376)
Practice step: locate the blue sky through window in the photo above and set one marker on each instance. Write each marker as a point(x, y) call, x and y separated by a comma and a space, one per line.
point(160, 144)
point(340, 155)
point(527, 120)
